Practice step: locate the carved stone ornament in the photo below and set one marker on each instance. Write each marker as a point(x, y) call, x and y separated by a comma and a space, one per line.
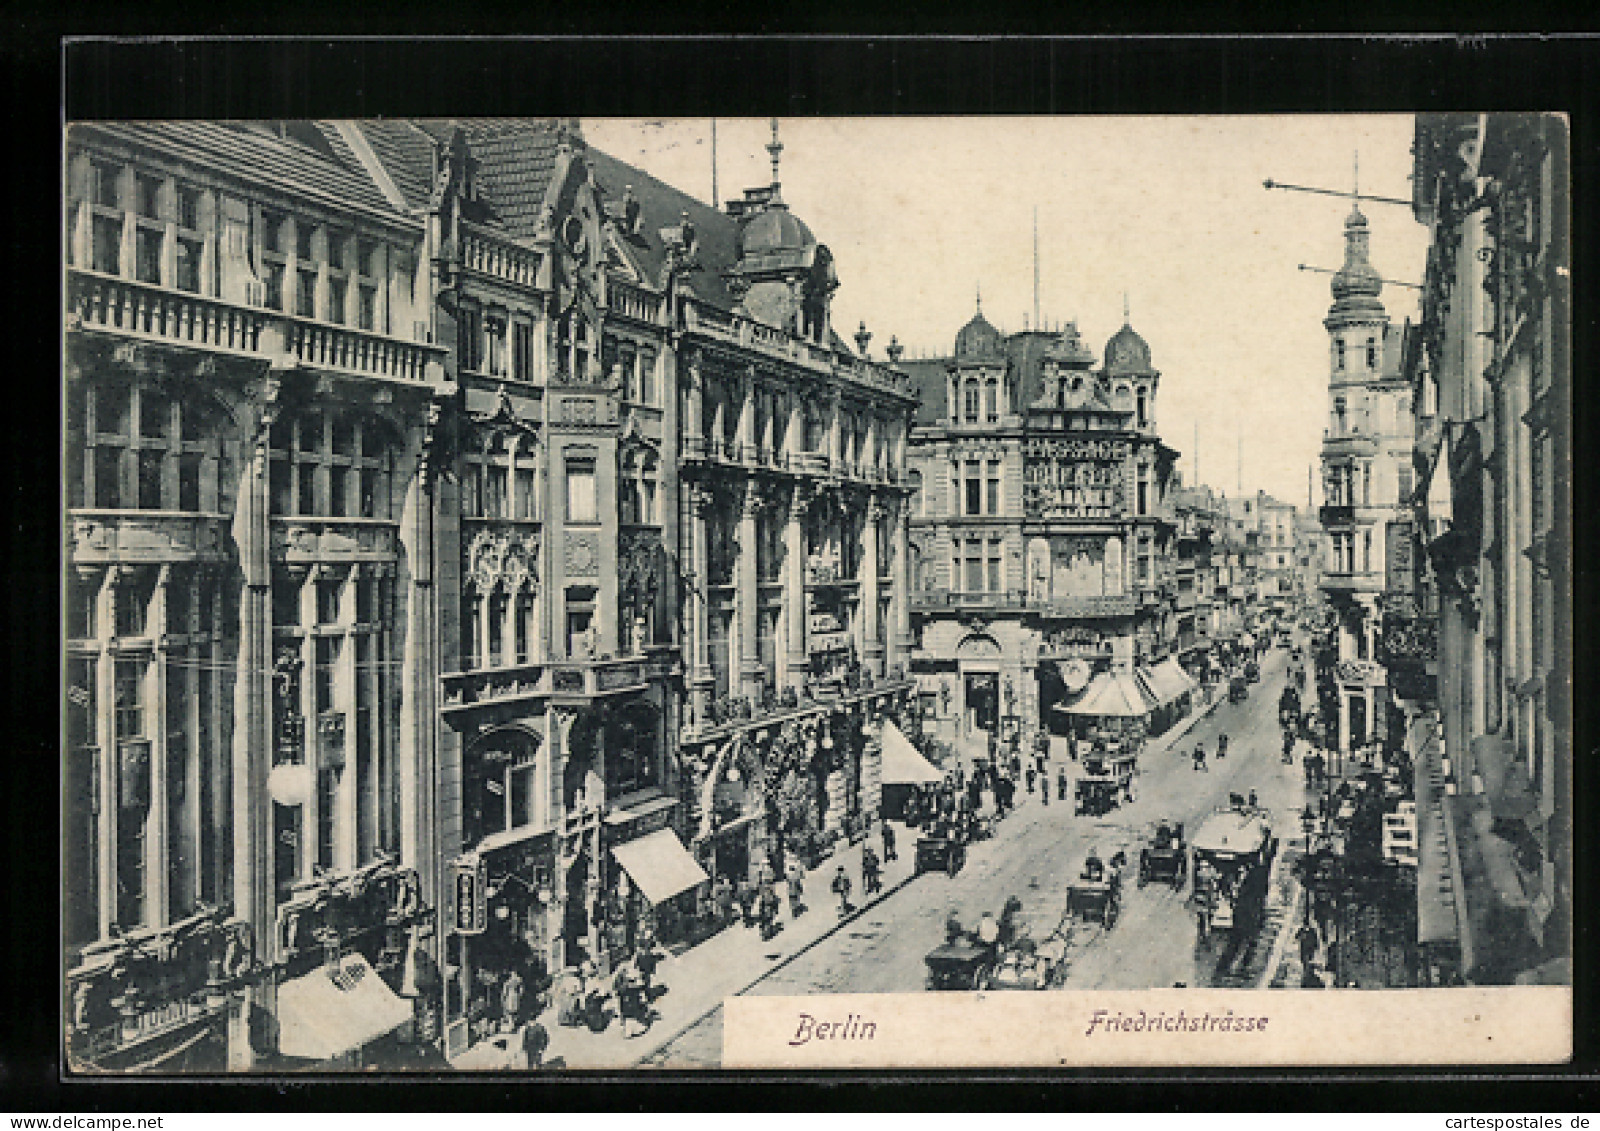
point(502, 557)
point(583, 555)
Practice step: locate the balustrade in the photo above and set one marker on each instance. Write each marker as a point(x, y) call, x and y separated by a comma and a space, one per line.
point(102, 302)
point(326, 346)
point(489, 256)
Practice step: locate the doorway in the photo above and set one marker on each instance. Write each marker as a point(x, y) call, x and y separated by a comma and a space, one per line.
point(983, 701)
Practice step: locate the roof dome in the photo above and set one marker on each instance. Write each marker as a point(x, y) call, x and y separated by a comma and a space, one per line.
point(1127, 354)
point(1356, 285)
point(772, 230)
point(977, 339)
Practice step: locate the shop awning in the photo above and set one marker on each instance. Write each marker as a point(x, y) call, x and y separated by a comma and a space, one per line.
point(1111, 695)
point(902, 764)
point(659, 865)
point(330, 1012)
point(1168, 681)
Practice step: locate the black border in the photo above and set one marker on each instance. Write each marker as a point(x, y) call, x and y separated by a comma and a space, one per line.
point(800, 74)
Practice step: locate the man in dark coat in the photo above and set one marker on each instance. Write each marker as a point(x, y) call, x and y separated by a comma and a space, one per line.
point(841, 888)
point(888, 843)
point(871, 883)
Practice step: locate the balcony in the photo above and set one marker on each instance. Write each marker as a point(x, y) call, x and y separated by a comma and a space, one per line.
point(933, 600)
point(150, 313)
point(142, 312)
point(733, 714)
point(305, 540)
point(1088, 607)
point(704, 319)
point(489, 255)
point(156, 536)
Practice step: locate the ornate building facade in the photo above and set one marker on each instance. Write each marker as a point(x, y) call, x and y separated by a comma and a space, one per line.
point(251, 386)
point(1478, 624)
point(1041, 535)
point(466, 531)
point(1367, 479)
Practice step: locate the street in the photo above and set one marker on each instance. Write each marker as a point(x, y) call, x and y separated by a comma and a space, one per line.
point(1035, 854)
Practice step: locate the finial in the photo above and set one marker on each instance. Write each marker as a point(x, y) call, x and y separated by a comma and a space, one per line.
point(1125, 321)
point(775, 147)
point(980, 297)
point(1356, 174)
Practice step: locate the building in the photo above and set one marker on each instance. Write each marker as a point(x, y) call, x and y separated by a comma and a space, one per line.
point(475, 545)
point(251, 381)
point(1478, 629)
point(1367, 478)
point(1042, 546)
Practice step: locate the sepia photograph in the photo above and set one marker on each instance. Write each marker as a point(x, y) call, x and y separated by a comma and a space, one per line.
point(547, 594)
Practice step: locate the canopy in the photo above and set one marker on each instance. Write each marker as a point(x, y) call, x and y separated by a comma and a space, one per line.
point(1168, 681)
point(902, 764)
point(659, 865)
point(1111, 695)
point(330, 1012)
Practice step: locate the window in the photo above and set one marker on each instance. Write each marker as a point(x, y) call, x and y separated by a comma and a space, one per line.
point(994, 567)
point(305, 305)
point(469, 339)
point(974, 578)
point(108, 245)
point(189, 208)
point(1142, 489)
point(1403, 477)
point(991, 400)
point(172, 461)
point(273, 280)
point(1338, 353)
point(336, 301)
point(647, 377)
point(149, 196)
point(974, 489)
point(522, 351)
point(581, 501)
point(302, 242)
point(1143, 408)
point(992, 484)
point(972, 398)
point(354, 467)
point(147, 255)
point(187, 265)
point(1339, 410)
point(103, 183)
point(1372, 353)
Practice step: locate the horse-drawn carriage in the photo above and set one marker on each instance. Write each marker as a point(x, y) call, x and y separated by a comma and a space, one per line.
point(1166, 858)
point(1097, 892)
point(941, 851)
point(1106, 782)
point(1238, 689)
point(1233, 854)
point(998, 955)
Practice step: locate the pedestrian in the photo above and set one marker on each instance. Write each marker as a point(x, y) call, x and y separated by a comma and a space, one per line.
point(646, 959)
point(871, 883)
point(1200, 758)
point(1032, 774)
point(747, 902)
point(511, 1001)
point(1044, 789)
point(1308, 944)
point(768, 911)
point(535, 1039)
point(888, 843)
point(722, 897)
point(796, 879)
point(630, 1000)
point(841, 888)
point(1061, 784)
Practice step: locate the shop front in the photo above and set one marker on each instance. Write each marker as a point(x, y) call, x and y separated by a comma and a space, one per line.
point(355, 987)
point(162, 999)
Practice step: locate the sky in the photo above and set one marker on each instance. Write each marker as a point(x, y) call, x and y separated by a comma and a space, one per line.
point(922, 214)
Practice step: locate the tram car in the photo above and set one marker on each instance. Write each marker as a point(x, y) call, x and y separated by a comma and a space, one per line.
point(1105, 783)
point(1233, 854)
point(1166, 858)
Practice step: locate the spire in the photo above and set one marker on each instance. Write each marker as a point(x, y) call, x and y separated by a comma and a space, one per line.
point(775, 149)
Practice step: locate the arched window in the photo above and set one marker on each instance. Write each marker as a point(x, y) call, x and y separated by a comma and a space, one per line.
point(141, 447)
point(330, 464)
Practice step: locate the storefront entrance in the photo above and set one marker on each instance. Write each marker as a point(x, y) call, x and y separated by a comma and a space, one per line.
point(983, 701)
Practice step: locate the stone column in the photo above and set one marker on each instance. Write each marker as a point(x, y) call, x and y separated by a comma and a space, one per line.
point(700, 677)
point(158, 872)
point(794, 590)
point(902, 583)
point(872, 633)
point(749, 669)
